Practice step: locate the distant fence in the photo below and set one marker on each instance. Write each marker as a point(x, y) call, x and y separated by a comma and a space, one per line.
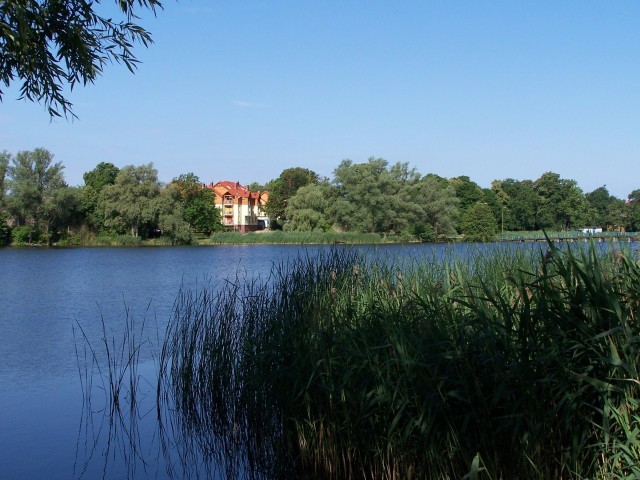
point(568, 236)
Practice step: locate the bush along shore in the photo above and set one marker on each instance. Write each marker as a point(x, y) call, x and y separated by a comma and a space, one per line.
point(512, 364)
point(277, 237)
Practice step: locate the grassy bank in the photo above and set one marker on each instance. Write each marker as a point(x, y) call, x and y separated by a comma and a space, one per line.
point(236, 238)
point(511, 365)
point(296, 238)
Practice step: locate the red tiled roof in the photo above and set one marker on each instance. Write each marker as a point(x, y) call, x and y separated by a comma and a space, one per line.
point(233, 188)
point(236, 190)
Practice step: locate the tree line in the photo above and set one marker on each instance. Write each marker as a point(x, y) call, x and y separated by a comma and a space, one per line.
point(38, 206)
point(394, 199)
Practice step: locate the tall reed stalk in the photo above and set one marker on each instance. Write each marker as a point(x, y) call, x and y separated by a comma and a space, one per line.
point(110, 425)
point(511, 365)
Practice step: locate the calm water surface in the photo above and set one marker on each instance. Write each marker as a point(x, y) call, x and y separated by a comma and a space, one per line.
point(43, 293)
point(46, 294)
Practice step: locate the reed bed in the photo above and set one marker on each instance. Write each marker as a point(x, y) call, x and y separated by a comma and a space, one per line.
point(297, 238)
point(113, 241)
point(511, 365)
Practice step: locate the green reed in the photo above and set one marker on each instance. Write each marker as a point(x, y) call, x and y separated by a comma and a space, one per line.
point(504, 365)
point(296, 238)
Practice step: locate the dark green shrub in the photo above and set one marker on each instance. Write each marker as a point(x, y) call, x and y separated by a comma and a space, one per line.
point(76, 239)
point(24, 235)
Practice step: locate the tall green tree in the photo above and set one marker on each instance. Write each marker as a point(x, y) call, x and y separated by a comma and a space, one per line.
point(103, 174)
point(491, 199)
point(5, 158)
point(632, 222)
point(468, 192)
point(34, 182)
point(52, 46)
point(283, 188)
point(373, 197)
point(95, 181)
point(307, 209)
point(169, 217)
point(605, 209)
point(59, 210)
point(5, 233)
point(479, 224)
point(138, 204)
point(256, 187)
point(128, 204)
point(198, 204)
point(434, 205)
point(519, 204)
point(562, 204)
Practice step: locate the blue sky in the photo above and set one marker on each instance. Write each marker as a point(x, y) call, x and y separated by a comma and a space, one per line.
point(242, 90)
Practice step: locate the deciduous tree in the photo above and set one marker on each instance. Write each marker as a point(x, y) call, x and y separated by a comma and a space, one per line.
point(633, 211)
point(307, 209)
point(129, 204)
point(5, 158)
point(284, 187)
point(198, 204)
point(95, 181)
point(605, 209)
point(60, 209)
point(520, 204)
point(169, 217)
point(373, 197)
point(468, 192)
point(562, 204)
point(103, 174)
point(478, 224)
point(34, 180)
point(51, 46)
point(435, 204)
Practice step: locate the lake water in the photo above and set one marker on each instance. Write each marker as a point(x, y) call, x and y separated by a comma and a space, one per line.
point(48, 296)
point(44, 293)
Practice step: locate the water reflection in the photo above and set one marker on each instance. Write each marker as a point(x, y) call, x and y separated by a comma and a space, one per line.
point(208, 415)
point(118, 421)
point(128, 426)
point(45, 291)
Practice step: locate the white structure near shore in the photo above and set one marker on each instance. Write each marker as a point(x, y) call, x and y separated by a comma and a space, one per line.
point(242, 210)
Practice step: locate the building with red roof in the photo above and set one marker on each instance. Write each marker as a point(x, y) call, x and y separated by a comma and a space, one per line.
point(242, 210)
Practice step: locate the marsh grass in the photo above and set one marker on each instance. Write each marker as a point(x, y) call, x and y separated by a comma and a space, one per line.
point(113, 241)
point(112, 397)
point(295, 238)
point(505, 365)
